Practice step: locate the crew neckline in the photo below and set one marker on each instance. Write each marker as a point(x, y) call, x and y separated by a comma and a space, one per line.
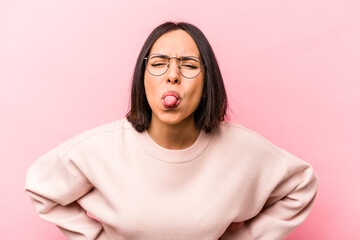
point(173, 155)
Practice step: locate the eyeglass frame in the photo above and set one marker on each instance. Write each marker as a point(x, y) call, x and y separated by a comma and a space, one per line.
point(179, 67)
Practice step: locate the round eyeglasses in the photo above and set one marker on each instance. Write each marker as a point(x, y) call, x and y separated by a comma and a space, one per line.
point(158, 64)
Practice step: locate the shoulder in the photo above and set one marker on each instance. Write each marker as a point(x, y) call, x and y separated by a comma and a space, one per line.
point(258, 148)
point(106, 128)
point(241, 136)
point(94, 137)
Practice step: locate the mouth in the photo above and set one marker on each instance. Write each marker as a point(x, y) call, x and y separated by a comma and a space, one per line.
point(170, 100)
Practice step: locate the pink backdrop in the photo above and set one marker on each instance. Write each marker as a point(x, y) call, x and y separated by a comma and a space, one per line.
point(291, 68)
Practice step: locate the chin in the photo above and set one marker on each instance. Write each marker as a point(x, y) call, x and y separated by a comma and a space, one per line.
point(174, 118)
point(170, 120)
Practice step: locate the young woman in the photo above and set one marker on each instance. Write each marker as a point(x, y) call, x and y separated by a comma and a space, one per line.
point(173, 169)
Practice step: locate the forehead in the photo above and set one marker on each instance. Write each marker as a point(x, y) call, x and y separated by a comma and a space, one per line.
point(175, 43)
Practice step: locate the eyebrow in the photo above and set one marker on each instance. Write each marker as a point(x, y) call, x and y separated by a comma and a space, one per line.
point(159, 56)
point(162, 56)
point(191, 58)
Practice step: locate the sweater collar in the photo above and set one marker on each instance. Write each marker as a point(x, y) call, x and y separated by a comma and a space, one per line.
point(170, 155)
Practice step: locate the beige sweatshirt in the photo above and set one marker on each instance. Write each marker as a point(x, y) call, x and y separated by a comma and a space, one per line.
point(135, 189)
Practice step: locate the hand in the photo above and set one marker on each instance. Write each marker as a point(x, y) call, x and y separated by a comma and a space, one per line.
point(235, 226)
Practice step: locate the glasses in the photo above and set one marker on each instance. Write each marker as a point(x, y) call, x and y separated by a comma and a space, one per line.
point(158, 64)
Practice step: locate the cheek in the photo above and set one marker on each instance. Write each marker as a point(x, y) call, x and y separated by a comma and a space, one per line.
point(197, 90)
point(149, 88)
point(200, 88)
point(151, 91)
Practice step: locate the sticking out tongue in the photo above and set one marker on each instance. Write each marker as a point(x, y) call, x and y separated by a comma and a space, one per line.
point(170, 101)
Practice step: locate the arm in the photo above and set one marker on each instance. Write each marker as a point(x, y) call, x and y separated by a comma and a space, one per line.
point(54, 183)
point(287, 206)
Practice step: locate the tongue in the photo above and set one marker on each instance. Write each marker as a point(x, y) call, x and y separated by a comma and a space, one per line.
point(170, 101)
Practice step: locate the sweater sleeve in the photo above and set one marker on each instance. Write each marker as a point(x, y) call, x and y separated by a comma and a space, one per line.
point(54, 184)
point(287, 206)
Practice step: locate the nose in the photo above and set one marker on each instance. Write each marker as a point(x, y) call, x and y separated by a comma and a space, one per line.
point(173, 73)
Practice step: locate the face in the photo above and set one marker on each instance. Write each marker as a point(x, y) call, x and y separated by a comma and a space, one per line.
point(172, 97)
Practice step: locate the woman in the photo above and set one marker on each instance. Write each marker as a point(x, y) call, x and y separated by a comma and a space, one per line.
point(173, 169)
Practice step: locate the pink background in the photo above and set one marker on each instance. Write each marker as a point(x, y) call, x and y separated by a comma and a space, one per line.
point(291, 68)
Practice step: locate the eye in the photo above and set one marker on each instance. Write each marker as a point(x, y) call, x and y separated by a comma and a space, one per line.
point(189, 66)
point(158, 64)
point(190, 63)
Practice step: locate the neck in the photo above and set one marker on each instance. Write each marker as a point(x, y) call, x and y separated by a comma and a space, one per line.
point(174, 136)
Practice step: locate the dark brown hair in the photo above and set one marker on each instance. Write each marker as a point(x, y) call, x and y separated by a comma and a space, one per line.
point(213, 105)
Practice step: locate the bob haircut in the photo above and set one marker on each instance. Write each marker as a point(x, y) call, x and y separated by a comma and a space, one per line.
point(213, 105)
